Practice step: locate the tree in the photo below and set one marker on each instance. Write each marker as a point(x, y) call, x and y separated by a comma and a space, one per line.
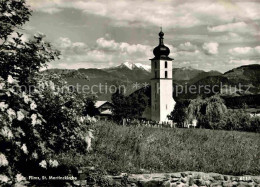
point(131, 107)
point(207, 111)
point(90, 108)
point(119, 105)
point(35, 124)
point(179, 114)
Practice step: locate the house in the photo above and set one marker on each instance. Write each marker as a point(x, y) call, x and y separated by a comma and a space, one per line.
point(105, 109)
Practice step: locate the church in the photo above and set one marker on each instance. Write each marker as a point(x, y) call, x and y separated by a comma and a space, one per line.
point(162, 102)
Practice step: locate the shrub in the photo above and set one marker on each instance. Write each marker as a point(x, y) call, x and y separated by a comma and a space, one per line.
point(36, 120)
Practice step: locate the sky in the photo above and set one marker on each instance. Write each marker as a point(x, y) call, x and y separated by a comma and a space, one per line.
point(202, 34)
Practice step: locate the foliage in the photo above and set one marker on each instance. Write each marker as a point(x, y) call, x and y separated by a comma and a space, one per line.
point(212, 113)
point(39, 115)
point(179, 114)
point(119, 149)
point(89, 107)
point(131, 106)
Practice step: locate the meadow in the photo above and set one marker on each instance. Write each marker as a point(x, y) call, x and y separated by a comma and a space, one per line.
point(119, 149)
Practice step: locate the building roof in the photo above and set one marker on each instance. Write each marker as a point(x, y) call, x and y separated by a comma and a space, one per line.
point(100, 103)
point(162, 58)
point(106, 112)
point(161, 52)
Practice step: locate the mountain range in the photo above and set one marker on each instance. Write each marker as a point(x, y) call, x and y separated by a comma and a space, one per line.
point(129, 73)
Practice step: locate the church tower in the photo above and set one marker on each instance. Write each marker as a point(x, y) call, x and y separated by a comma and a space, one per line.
point(161, 83)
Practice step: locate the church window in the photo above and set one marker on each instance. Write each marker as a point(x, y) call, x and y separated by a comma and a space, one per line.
point(155, 74)
point(166, 74)
point(165, 64)
point(155, 64)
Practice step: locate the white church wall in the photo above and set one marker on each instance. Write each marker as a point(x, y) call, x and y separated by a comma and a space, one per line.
point(167, 102)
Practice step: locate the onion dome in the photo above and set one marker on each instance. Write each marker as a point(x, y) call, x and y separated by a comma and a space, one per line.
point(161, 51)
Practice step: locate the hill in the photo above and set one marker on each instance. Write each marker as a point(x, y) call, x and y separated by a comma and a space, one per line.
point(232, 83)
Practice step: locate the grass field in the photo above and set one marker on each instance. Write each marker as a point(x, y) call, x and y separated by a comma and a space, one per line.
point(142, 150)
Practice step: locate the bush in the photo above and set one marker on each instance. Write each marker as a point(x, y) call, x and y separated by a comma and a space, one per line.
point(212, 113)
point(37, 121)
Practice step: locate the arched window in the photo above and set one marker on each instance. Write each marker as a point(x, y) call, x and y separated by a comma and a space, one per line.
point(166, 74)
point(165, 64)
point(155, 74)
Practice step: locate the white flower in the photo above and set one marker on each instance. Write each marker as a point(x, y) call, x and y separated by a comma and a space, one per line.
point(11, 80)
point(34, 117)
point(43, 164)
point(38, 122)
point(3, 106)
point(35, 155)
point(11, 114)
point(6, 132)
point(52, 85)
point(25, 98)
point(33, 106)
point(4, 179)
point(24, 148)
point(3, 160)
point(20, 116)
point(1, 85)
point(20, 178)
point(53, 163)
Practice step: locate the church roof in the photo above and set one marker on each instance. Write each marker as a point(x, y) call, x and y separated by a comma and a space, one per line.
point(161, 52)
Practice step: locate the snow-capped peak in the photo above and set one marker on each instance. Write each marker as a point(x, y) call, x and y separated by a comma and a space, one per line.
point(142, 66)
point(128, 65)
point(131, 66)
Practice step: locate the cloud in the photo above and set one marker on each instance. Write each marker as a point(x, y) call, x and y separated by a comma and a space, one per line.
point(211, 48)
point(238, 27)
point(243, 62)
point(187, 46)
point(240, 50)
point(245, 51)
point(231, 27)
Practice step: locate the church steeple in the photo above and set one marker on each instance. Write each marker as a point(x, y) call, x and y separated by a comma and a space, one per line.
point(162, 102)
point(161, 51)
point(161, 34)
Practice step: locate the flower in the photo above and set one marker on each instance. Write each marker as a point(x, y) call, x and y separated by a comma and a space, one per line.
point(34, 117)
point(52, 85)
point(2, 85)
point(43, 164)
point(6, 132)
point(33, 106)
point(3, 106)
point(11, 114)
point(3, 160)
point(38, 121)
point(10, 79)
point(35, 155)
point(20, 116)
point(4, 179)
point(20, 178)
point(25, 97)
point(54, 163)
point(24, 148)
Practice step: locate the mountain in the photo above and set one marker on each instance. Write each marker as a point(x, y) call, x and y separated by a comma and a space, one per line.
point(129, 73)
point(191, 75)
point(133, 66)
point(249, 74)
point(244, 80)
